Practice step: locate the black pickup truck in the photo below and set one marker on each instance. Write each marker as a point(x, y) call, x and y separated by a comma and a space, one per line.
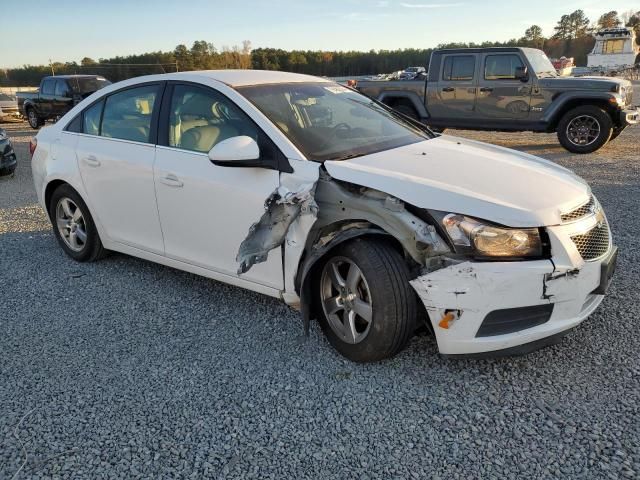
point(56, 96)
point(511, 89)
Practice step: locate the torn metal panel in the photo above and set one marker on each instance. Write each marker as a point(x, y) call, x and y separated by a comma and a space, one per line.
point(282, 208)
point(339, 202)
point(290, 212)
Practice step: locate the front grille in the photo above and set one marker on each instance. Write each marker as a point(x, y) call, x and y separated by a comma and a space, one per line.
point(582, 211)
point(595, 243)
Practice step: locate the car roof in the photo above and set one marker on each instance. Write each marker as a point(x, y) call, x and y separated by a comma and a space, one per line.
point(74, 76)
point(241, 78)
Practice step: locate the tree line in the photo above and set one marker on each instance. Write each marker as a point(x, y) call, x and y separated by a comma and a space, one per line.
point(572, 37)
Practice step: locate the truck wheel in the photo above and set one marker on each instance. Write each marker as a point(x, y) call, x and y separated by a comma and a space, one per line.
point(32, 117)
point(367, 308)
point(585, 129)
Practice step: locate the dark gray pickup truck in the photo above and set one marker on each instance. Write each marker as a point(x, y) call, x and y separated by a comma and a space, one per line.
point(56, 96)
point(511, 89)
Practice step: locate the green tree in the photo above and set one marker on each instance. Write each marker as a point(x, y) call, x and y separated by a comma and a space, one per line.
point(609, 20)
point(533, 36)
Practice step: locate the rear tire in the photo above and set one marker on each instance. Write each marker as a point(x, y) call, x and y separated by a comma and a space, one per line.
point(584, 129)
point(73, 225)
point(373, 315)
point(35, 122)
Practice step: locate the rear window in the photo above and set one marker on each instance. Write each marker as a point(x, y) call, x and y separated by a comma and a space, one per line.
point(459, 68)
point(88, 85)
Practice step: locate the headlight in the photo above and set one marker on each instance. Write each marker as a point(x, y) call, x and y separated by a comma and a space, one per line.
point(486, 240)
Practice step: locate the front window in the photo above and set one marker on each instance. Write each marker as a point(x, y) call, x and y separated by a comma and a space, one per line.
point(201, 118)
point(501, 67)
point(541, 64)
point(327, 121)
point(613, 46)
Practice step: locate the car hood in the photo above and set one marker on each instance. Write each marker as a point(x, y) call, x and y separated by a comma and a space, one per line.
point(472, 178)
point(599, 84)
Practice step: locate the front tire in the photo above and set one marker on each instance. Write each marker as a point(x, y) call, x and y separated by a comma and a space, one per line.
point(73, 225)
point(584, 129)
point(367, 308)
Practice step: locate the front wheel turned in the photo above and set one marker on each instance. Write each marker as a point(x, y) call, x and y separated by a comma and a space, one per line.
point(585, 129)
point(367, 307)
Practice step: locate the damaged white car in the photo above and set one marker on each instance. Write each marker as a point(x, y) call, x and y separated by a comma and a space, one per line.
point(299, 188)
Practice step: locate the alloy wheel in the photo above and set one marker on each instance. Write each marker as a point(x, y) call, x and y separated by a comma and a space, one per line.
point(71, 224)
point(583, 130)
point(33, 118)
point(346, 300)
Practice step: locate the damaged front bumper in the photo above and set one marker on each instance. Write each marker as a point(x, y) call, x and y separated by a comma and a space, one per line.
point(497, 307)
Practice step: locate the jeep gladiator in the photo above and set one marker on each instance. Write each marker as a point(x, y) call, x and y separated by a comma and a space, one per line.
point(511, 89)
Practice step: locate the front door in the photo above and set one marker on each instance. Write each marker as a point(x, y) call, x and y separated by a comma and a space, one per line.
point(206, 210)
point(116, 153)
point(454, 98)
point(502, 96)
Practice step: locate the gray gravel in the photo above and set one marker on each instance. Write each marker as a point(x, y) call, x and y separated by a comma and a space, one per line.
point(128, 369)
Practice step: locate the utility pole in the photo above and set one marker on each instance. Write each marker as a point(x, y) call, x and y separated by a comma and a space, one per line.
point(53, 72)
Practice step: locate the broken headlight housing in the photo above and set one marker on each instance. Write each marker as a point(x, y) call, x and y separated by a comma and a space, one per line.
point(485, 240)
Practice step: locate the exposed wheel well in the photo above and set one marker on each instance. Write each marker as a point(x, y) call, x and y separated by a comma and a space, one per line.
point(48, 192)
point(571, 104)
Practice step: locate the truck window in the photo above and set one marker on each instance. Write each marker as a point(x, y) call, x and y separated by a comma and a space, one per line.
point(62, 89)
point(501, 67)
point(48, 86)
point(459, 68)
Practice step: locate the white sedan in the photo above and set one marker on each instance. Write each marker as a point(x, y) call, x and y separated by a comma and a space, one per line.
point(299, 188)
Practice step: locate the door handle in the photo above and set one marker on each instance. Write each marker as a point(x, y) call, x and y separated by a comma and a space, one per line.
point(486, 89)
point(92, 161)
point(448, 89)
point(171, 180)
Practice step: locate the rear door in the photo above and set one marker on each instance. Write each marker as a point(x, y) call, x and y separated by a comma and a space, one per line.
point(454, 96)
point(115, 153)
point(502, 96)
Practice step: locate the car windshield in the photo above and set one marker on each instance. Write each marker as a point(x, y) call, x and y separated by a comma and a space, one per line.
point(327, 121)
point(541, 64)
point(88, 85)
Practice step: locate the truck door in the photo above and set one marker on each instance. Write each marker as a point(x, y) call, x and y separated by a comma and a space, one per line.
point(501, 94)
point(454, 95)
point(46, 97)
point(63, 98)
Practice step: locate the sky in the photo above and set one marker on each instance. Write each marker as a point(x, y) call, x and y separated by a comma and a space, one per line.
point(68, 30)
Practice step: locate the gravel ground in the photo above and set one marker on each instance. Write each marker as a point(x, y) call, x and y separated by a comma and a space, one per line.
point(124, 368)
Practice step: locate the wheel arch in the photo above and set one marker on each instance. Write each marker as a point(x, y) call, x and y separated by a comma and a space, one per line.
point(564, 105)
point(321, 243)
point(395, 97)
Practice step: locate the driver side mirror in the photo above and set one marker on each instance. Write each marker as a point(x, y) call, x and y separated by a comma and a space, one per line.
point(522, 74)
point(241, 151)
